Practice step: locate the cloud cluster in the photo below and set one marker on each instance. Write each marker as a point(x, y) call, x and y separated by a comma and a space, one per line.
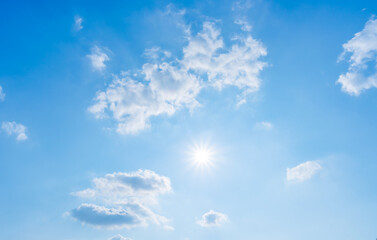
point(212, 219)
point(2, 94)
point(16, 129)
point(163, 87)
point(362, 72)
point(129, 194)
point(303, 171)
point(98, 58)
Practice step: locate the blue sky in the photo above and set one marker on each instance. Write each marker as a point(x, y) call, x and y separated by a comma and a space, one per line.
point(186, 120)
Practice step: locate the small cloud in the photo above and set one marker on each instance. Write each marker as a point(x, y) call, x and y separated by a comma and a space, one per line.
point(168, 227)
point(130, 197)
point(142, 185)
point(119, 237)
point(103, 217)
point(303, 171)
point(241, 5)
point(156, 53)
point(16, 129)
point(2, 94)
point(78, 23)
point(98, 58)
point(212, 219)
point(245, 26)
point(264, 125)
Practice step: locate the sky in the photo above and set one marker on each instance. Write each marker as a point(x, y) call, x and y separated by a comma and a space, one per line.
point(188, 120)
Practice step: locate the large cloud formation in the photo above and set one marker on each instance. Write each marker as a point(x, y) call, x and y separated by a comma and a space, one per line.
point(130, 196)
point(362, 72)
point(167, 85)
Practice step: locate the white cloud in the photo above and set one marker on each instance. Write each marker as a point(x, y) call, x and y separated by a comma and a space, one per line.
point(163, 87)
point(131, 194)
point(2, 94)
point(245, 26)
point(140, 186)
point(303, 171)
point(98, 58)
point(17, 129)
point(212, 219)
point(362, 72)
point(103, 217)
point(119, 237)
point(78, 23)
point(264, 125)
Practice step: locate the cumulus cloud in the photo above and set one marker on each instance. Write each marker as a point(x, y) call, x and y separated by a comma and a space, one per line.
point(105, 217)
point(303, 171)
point(2, 94)
point(130, 194)
point(119, 237)
point(15, 129)
point(78, 23)
point(98, 58)
point(362, 52)
point(163, 87)
point(212, 219)
point(140, 186)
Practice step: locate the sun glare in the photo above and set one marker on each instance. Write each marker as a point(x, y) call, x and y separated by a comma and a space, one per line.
point(202, 156)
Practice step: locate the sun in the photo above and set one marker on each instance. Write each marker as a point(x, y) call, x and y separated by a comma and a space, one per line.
point(202, 156)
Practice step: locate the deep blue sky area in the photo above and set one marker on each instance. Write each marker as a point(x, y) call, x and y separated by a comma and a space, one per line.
point(188, 120)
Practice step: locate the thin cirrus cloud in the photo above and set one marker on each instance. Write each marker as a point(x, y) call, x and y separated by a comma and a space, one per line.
point(362, 51)
point(15, 129)
point(303, 171)
point(119, 237)
point(212, 219)
point(98, 58)
point(264, 125)
point(165, 86)
point(2, 94)
point(77, 26)
point(130, 197)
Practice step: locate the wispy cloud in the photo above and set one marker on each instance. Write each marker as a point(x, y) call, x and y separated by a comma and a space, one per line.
point(130, 194)
point(15, 129)
point(77, 26)
point(264, 125)
point(212, 219)
point(2, 94)
point(245, 26)
point(163, 87)
point(119, 237)
point(98, 58)
point(303, 171)
point(362, 72)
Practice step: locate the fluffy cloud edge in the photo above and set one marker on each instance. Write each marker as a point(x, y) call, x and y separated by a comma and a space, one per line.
point(363, 51)
point(98, 58)
point(303, 171)
point(16, 129)
point(212, 219)
point(127, 197)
